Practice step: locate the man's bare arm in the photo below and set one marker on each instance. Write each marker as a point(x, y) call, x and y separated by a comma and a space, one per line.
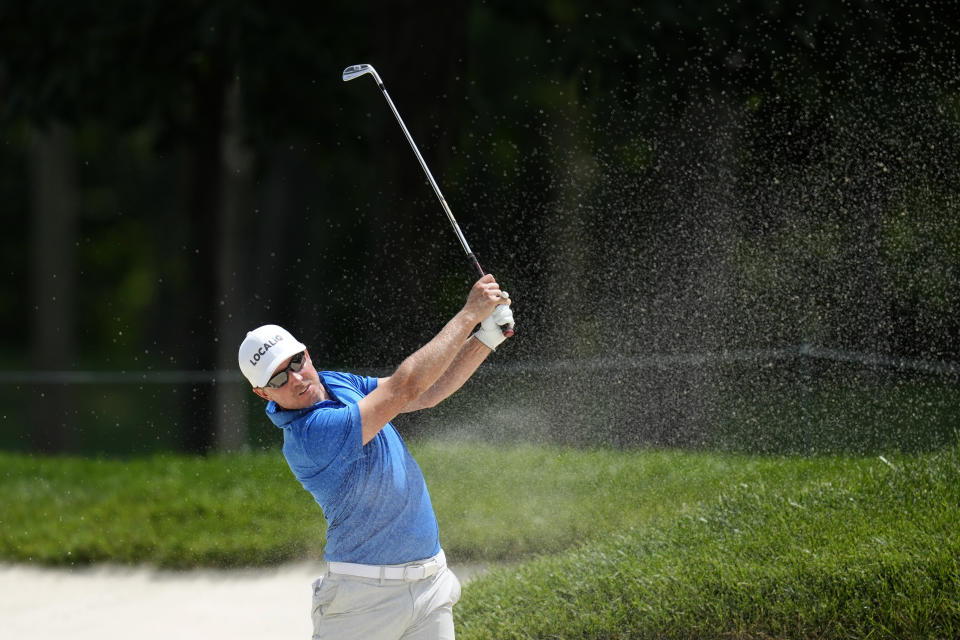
point(420, 371)
point(471, 355)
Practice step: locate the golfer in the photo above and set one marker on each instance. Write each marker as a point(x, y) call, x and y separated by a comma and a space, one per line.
point(386, 573)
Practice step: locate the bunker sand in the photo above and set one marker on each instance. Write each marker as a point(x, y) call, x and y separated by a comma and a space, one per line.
point(102, 603)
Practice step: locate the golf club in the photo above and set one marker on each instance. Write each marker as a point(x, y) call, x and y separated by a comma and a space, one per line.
point(357, 70)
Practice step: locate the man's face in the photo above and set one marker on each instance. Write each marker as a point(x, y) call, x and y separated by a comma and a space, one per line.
point(302, 388)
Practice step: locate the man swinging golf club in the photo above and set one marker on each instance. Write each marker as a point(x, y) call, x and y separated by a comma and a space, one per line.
point(387, 577)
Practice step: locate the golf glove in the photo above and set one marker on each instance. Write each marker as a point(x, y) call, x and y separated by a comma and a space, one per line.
point(491, 329)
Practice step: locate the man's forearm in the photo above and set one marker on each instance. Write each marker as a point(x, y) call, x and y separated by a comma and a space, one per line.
point(417, 374)
point(470, 356)
point(422, 369)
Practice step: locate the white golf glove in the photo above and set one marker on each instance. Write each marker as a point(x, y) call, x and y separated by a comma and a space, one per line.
point(491, 329)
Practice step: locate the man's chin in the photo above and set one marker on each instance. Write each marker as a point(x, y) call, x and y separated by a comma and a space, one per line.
point(308, 397)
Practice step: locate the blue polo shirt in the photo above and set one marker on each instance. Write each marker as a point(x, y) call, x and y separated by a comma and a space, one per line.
point(373, 496)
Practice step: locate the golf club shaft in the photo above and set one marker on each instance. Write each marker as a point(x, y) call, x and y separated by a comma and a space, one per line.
point(362, 69)
point(433, 183)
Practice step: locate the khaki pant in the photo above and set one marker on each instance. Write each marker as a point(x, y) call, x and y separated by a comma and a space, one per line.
point(350, 608)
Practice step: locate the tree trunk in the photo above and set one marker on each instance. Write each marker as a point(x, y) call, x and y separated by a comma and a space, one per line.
point(230, 397)
point(198, 318)
point(53, 239)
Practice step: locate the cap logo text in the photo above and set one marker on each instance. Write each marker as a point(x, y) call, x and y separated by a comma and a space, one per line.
point(262, 351)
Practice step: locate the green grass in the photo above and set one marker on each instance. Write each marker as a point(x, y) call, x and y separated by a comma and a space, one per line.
point(165, 510)
point(493, 503)
point(604, 543)
point(859, 549)
point(507, 503)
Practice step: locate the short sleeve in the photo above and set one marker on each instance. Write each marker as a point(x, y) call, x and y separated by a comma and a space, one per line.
point(365, 384)
point(332, 435)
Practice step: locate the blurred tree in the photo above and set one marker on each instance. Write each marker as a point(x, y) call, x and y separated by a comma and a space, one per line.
point(596, 154)
point(92, 65)
point(53, 240)
point(219, 84)
point(804, 89)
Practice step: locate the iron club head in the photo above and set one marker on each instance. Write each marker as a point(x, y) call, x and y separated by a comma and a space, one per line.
point(357, 70)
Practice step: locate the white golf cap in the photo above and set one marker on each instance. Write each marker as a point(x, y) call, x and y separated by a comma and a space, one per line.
point(263, 350)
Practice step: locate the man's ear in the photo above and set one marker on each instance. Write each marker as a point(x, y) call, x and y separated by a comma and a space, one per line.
point(260, 392)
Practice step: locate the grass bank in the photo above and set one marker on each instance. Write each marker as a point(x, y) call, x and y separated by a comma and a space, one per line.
point(166, 511)
point(863, 549)
point(615, 544)
point(247, 510)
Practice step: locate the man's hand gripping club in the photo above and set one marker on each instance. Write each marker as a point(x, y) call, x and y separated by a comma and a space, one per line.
point(498, 326)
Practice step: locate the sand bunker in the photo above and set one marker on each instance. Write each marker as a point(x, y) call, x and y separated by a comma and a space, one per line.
point(103, 603)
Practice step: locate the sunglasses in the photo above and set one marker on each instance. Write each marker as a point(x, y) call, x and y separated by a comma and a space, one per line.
point(281, 377)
